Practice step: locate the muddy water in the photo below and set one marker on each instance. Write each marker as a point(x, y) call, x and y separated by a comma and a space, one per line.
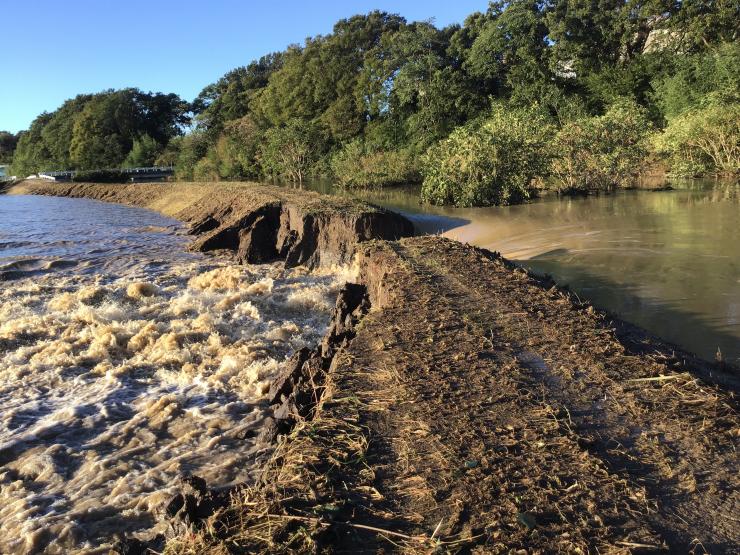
point(125, 362)
point(668, 261)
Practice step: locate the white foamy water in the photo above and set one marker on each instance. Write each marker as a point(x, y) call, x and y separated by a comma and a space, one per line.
point(114, 384)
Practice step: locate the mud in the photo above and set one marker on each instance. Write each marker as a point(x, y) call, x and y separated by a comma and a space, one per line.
point(477, 408)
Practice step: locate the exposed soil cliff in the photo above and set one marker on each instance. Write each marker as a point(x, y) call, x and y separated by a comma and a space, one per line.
point(258, 222)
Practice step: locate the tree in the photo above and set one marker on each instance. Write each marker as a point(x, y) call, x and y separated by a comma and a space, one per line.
point(8, 141)
point(231, 97)
point(289, 151)
point(98, 131)
point(191, 148)
point(693, 78)
point(324, 81)
point(31, 154)
point(144, 152)
point(511, 51)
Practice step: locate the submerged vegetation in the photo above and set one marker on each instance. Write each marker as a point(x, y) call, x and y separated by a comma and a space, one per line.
point(382, 101)
point(488, 162)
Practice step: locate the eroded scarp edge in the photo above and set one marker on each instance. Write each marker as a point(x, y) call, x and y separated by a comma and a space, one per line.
point(257, 222)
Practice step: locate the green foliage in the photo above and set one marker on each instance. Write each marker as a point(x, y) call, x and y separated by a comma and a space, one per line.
point(696, 25)
point(191, 149)
point(289, 152)
point(8, 142)
point(602, 152)
point(716, 72)
point(325, 80)
point(494, 162)
point(143, 153)
point(357, 166)
point(232, 156)
point(98, 131)
point(236, 149)
point(100, 176)
point(169, 155)
point(364, 101)
point(231, 97)
point(704, 140)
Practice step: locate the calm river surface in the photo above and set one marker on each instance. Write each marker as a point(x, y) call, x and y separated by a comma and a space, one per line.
point(125, 362)
point(668, 261)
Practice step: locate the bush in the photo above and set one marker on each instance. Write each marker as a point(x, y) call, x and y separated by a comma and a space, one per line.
point(354, 166)
point(206, 169)
point(602, 152)
point(101, 176)
point(236, 149)
point(696, 77)
point(705, 140)
point(493, 162)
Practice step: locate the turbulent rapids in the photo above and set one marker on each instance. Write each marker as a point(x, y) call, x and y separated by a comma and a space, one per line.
point(113, 384)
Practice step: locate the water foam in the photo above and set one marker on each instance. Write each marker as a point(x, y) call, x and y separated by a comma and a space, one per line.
point(111, 388)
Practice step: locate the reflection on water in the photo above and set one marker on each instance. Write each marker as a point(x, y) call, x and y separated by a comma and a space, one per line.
point(128, 365)
point(668, 261)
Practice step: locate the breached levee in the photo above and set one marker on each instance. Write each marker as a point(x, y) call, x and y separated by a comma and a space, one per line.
point(259, 222)
point(456, 403)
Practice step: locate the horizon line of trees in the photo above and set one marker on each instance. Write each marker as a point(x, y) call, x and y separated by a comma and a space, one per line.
point(611, 84)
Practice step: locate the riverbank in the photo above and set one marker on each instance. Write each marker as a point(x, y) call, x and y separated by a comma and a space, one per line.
point(459, 402)
point(257, 222)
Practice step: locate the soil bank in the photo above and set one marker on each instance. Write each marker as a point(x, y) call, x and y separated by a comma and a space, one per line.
point(257, 222)
point(460, 404)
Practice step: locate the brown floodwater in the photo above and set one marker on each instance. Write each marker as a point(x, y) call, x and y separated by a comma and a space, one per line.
point(125, 362)
point(668, 261)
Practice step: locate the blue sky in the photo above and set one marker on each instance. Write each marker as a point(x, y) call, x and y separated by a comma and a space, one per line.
point(56, 49)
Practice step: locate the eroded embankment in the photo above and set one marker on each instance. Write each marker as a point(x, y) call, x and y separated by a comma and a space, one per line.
point(475, 407)
point(258, 222)
point(458, 403)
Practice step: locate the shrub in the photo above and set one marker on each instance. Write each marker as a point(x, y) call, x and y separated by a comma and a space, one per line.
point(493, 162)
point(602, 152)
point(705, 140)
point(191, 148)
point(355, 166)
point(236, 149)
point(206, 169)
point(101, 176)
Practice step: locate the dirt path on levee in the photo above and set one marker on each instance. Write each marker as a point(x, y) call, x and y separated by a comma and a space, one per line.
point(499, 415)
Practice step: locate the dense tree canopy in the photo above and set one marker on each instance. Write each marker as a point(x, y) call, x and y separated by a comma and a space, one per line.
point(99, 131)
point(7, 146)
point(367, 101)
